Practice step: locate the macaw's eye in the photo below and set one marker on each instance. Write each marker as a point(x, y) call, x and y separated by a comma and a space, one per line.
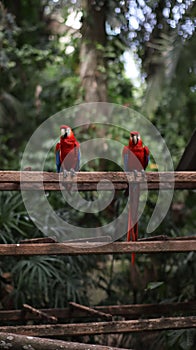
point(68, 131)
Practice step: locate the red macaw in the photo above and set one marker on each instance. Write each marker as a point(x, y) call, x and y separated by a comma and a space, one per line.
point(136, 158)
point(67, 151)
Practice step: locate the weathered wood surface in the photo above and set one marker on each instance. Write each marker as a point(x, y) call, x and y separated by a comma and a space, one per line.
point(106, 239)
point(98, 248)
point(40, 314)
point(19, 342)
point(38, 240)
point(166, 238)
point(87, 181)
point(113, 327)
point(128, 311)
point(91, 311)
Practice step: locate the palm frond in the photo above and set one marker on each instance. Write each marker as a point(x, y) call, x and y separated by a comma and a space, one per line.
point(13, 218)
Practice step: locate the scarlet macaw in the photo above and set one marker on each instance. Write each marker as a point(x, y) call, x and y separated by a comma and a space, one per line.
point(136, 158)
point(67, 151)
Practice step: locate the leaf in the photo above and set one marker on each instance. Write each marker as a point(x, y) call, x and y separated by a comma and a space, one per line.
point(154, 285)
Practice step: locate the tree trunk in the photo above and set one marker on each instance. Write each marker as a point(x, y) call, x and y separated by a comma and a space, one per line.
point(153, 66)
point(93, 65)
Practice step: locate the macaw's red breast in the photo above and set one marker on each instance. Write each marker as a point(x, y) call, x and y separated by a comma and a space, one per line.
point(137, 156)
point(69, 151)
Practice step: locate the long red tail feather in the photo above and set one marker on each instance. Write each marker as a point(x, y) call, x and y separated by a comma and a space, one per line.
point(132, 231)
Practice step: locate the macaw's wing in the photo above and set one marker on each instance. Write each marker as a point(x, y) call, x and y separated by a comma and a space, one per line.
point(125, 158)
point(146, 156)
point(58, 161)
point(77, 167)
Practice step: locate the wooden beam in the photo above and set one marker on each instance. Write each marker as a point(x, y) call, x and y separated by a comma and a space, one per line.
point(113, 327)
point(106, 239)
point(93, 186)
point(95, 248)
point(90, 311)
point(144, 310)
point(38, 240)
point(128, 311)
point(41, 315)
point(87, 181)
point(166, 238)
point(18, 342)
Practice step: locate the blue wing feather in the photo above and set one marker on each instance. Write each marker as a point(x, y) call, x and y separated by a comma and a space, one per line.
point(126, 162)
point(78, 161)
point(58, 162)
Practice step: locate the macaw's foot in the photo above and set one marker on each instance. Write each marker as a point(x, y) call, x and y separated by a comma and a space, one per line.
point(143, 174)
point(65, 173)
point(135, 173)
point(72, 172)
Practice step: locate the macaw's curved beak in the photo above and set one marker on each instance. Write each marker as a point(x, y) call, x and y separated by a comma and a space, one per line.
point(63, 132)
point(135, 139)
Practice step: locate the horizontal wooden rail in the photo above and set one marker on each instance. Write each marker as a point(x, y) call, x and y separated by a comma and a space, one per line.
point(98, 248)
point(127, 311)
point(112, 327)
point(87, 181)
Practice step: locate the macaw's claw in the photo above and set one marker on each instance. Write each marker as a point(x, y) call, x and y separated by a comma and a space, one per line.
point(143, 174)
point(72, 172)
point(65, 173)
point(135, 172)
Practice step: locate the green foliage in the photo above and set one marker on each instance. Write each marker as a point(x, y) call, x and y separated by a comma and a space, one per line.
point(14, 221)
point(9, 31)
point(154, 285)
point(49, 281)
point(52, 281)
point(175, 339)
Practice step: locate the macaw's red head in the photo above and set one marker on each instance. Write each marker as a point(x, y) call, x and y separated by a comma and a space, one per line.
point(66, 131)
point(135, 139)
